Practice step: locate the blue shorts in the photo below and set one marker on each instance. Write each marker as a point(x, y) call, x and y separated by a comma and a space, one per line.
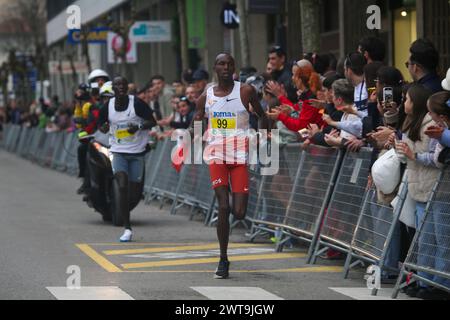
point(133, 165)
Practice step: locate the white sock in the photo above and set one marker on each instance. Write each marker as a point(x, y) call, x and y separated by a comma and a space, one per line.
point(127, 236)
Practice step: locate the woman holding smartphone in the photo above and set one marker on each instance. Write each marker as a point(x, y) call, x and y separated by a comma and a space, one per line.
point(417, 150)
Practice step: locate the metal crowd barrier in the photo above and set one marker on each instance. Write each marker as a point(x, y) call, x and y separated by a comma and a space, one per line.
point(375, 231)
point(194, 190)
point(12, 138)
point(3, 135)
point(318, 196)
point(343, 211)
point(165, 180)
point(299, 192)
point(428, 259)
point(152, 166)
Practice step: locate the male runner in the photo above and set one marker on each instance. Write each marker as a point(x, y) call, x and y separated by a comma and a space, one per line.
point(227, 107)
point(127, 119)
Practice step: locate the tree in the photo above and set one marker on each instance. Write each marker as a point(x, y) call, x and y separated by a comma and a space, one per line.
point(310, 13)
point(181, 5)
point(243, 33)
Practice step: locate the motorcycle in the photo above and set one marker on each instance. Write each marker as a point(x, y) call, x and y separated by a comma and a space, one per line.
point(103, 192)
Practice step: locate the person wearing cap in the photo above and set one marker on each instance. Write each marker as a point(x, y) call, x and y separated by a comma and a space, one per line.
point(446, 81)
point(200, 80)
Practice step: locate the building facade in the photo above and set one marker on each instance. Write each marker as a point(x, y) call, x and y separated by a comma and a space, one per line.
point(341, 24)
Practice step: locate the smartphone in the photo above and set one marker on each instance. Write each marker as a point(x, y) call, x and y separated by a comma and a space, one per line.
point(399, 135)
point(388, 94)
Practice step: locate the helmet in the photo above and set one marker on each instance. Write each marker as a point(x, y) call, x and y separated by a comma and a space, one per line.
point(98, 73)
point(83, 93)
point(256, 82)
point(107, 90)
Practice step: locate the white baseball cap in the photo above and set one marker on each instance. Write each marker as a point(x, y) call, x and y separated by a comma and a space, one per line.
point(446, 81)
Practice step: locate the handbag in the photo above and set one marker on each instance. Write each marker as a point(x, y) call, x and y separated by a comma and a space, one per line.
point(386, 172)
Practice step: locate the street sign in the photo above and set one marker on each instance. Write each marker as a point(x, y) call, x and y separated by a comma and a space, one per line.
point(229, 16)
point(115, 43)
point(151, 31)
point(95, 36)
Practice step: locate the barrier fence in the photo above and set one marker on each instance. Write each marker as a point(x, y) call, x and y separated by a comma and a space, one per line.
point(319, 196)
point(428, 259)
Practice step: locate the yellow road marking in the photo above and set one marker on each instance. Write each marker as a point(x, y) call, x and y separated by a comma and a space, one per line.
point(181, 248)
point(138, 244)
point(296, 270)
point(183, 262)
point(104, 263)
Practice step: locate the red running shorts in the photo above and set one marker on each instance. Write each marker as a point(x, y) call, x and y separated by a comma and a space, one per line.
point(221, 174)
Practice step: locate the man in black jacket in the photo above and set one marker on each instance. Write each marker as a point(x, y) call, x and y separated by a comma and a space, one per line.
point(281, 72)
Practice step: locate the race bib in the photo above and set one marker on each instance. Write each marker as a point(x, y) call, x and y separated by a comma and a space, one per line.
point(123, 134)
point(224, 123)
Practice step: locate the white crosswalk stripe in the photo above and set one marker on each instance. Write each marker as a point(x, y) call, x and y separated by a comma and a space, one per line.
point(365, 294)
point(236, 293)
point(89, 293)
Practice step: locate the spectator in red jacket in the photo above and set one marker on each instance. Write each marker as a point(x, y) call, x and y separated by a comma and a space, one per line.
point(299, 116)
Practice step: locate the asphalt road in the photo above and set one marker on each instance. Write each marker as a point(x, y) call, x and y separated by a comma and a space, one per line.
point(45, 228)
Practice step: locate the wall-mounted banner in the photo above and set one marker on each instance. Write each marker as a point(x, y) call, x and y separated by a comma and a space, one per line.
point(115, 44)
point(95, 36)
point(151, 31)
point(196, 23)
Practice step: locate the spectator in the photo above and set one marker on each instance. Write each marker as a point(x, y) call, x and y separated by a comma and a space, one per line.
point(192, 95)
point(422, 64)
point(373, 49)
point(417, 150)
point(317, 136)
point(143, 94)
point(132, 89)
point(281, 72)
point(175, 116)
point(350, 125)
point(354, 72)
point(179, 88)
point(152, 96)
point(439, 108)
point(164, 93)
point(14, 113)
point(324, 64)
point(186, 115)
point(200, 80)
point(308, 83)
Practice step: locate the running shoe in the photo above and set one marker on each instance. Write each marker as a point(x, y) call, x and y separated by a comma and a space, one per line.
point(127, 236)
point(222, 269)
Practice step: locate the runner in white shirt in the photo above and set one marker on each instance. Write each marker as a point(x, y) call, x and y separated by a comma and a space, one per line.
point(227, 107)
point(127, 119)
